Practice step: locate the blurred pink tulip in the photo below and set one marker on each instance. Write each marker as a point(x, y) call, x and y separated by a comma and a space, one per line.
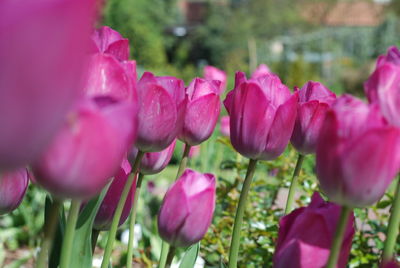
point(162, 104)
point(13, 186)
point(41, 59)
point(224, 127)
point(154, 162)
point(261, 71)
point(262, 115)
point(212, 73)
point(305, 236)
point(187, 209)
point(392, 56)
point(202, 111)
point(314, 100)
point(88, 150)
point(108, 41)
point(358, 153)
point(194, 151)
point(109, 204)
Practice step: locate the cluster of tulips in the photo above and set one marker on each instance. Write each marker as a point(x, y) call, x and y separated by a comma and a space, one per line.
point(76, 121)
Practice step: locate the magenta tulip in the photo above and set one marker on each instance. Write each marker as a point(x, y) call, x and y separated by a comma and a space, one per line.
point(305, 236)
point(194, 151)
point(162, 104)
point(202, 111)
point(261, 71)
point(88, 150)
point(392, 56)
point(154, 162)
point(212, 73)
point(224, 126)
point(41, 59)
point(314, 101)
point(187, 209)
point(357, 153)
point(262, 115)
point(106, 212)
point(13, 186)
point(108, 41)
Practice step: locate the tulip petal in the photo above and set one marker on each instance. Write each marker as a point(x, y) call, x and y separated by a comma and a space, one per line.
point(119, 49)
point(281, 129)
point(200, 119)
point(13, 186)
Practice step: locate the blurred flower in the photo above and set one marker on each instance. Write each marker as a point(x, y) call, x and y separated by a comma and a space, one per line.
point(305, 236)
point(154, 162)
point(88, 150)
point(187, 209)
point(138, 233)
point(392, 56)
point(194, 151)
point(202, 111)
point(314, 101)
point(162, 105)
point(13, 186)
point(224, 126)
point(261, 71)
point(391, 264)
point(262, 115)
point(212, 73)
point(108, 41)
point(357, 153)
point(41, 51)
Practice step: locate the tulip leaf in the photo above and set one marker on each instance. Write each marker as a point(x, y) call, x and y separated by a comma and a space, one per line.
point(54, 258)
point(189, 260)
point(384, 204)
point(82, 247)
point(221, 263)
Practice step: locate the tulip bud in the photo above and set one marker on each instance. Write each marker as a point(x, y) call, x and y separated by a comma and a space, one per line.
point(106, 211)
point(202, 111)
point(162, 104)
point(262, 115)
point(261, 71)
point(357, 153)
point(108, 41)
point(314, 101)
point(212, 73)
point(41, 51)
point(13, 186)
point(187, 209)
point(88, 150)
point(224, 126)
point(298, 244)
point(154, 162)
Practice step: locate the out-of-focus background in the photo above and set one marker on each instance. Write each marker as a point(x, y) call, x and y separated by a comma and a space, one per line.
point(334, 41)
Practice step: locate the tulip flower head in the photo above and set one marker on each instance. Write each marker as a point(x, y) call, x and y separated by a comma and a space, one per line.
point(187, 209)
point(261, 71)
point(306, 234)
point(108, 41)
point(262, 115)
point(13, 186)
point(202, 111)
point(357, 153)
point(212, 73)
point(224, 126)
point(314, 100)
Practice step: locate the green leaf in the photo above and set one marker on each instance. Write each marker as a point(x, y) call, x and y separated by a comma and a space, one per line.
point(82, 247)
point(55, 254)
point(189, 260)
point(384, 204)
point(221, 263)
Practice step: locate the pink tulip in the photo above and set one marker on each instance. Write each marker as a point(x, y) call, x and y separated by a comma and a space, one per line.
point(306, 235)
point(109, 204)
point(202, 111)
point(212, 73)
point(314, 100)
point(392, 56)
point(261, 71)
point(162, 104)
point(108, 41)
point(154, 162)
point(224, 126)
point(357, 153)
point(88, 150)
point(187, 209)
point(41, 55)
point(383, 88)
point(262, 115)
point(194, 151)
point(13, 186)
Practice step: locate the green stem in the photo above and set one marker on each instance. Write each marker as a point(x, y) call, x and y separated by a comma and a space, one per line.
point(235, 243)
point(393, 228)
point(133, 220)
point(69, 234)
point(95, 237)
point(293, 184)
point(338, 239)
point(118, 211)
point(170, 257)
point(163, 255)
point(49, 230)
point(184, 160)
